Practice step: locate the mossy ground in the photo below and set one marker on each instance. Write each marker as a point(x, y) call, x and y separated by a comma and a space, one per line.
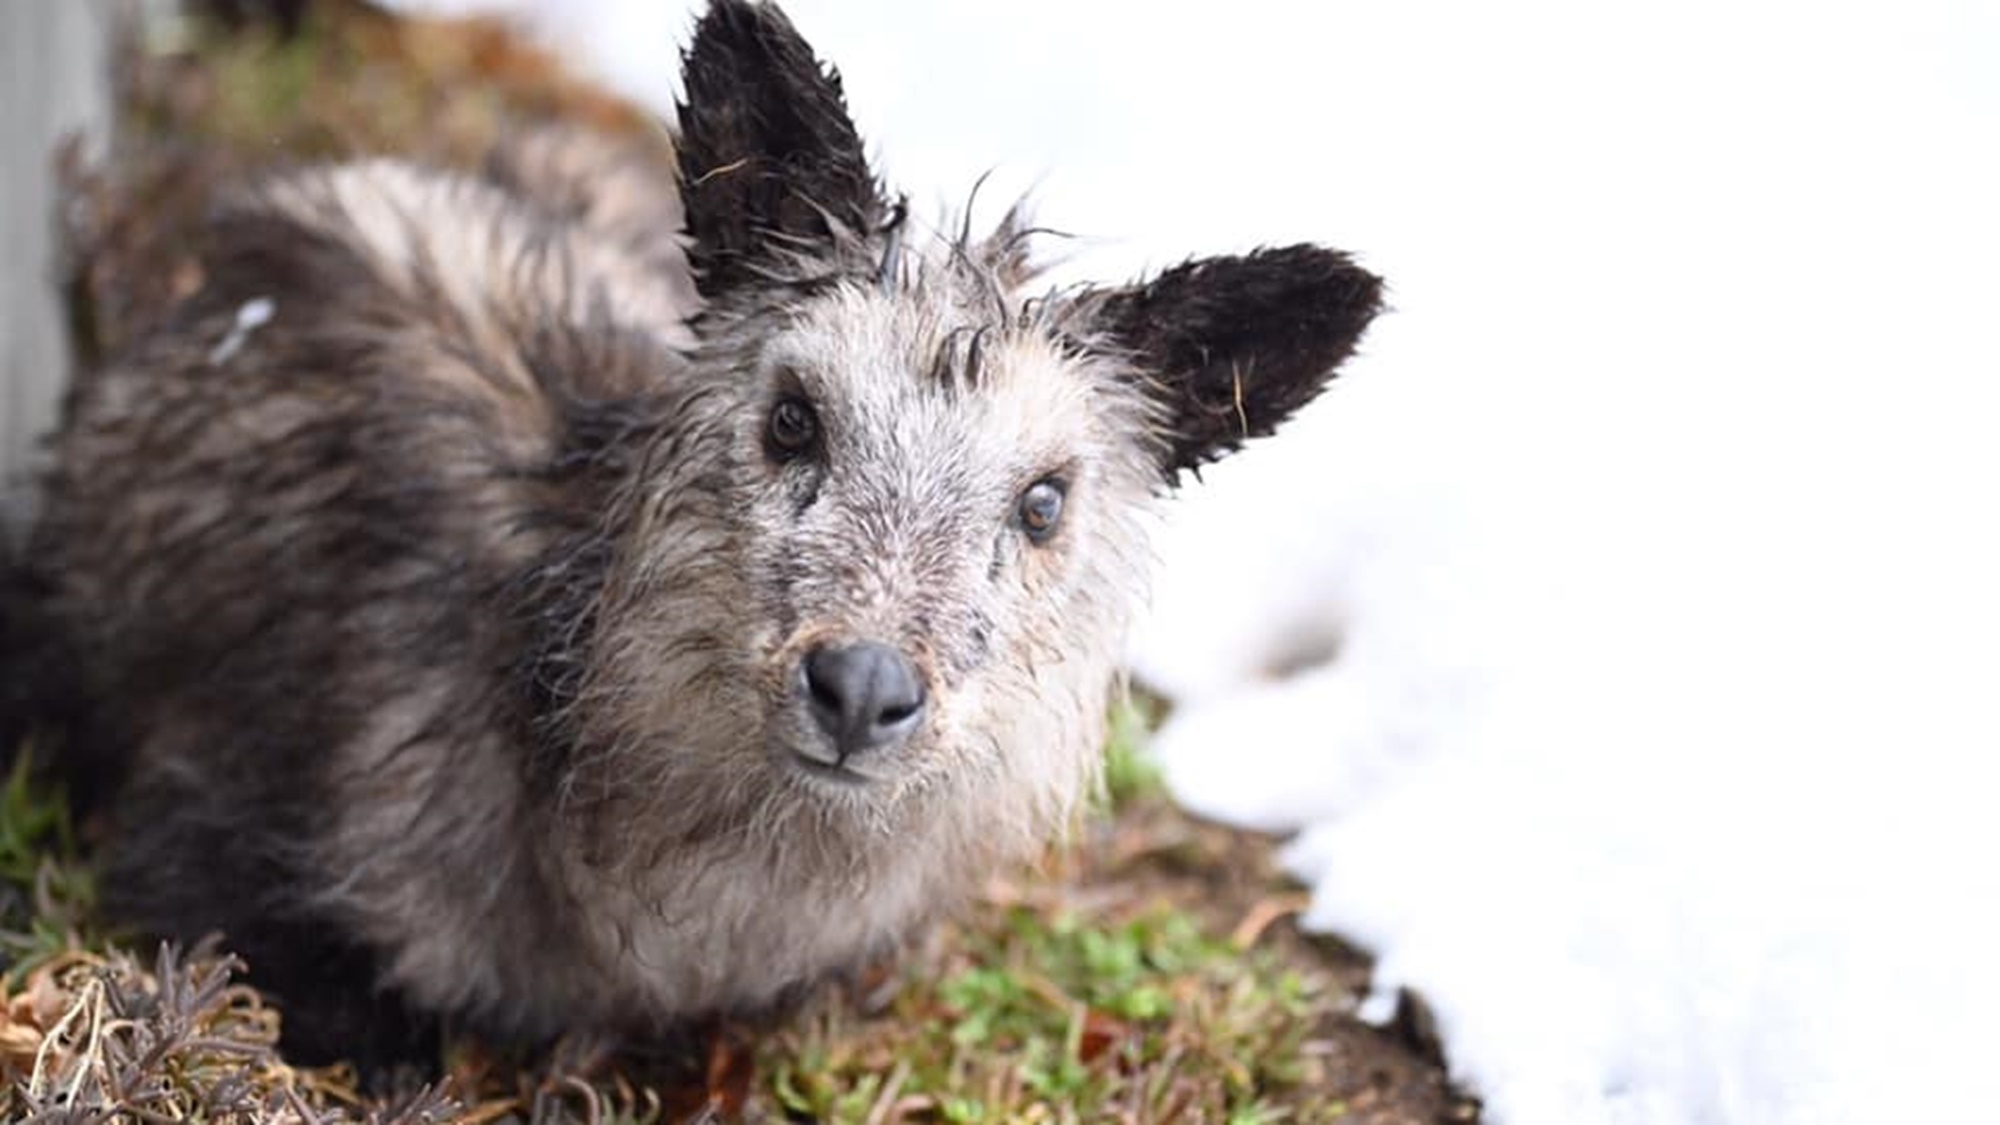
point(1146, 972)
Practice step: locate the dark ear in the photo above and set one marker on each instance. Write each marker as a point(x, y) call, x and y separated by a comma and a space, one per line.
point(1234, 345)
point(768, 156)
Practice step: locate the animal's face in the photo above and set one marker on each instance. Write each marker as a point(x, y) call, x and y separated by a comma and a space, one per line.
point(941, 526)
point(883, 594)
point(890, 597)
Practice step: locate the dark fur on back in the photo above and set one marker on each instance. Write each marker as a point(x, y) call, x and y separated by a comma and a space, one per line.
point(431, 587)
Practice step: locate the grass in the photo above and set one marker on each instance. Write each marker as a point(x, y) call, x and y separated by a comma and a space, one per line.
point(1069, 1018)
point(45, 890)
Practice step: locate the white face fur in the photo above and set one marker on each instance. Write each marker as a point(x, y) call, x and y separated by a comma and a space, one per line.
point(981, 521)
point(875, 479)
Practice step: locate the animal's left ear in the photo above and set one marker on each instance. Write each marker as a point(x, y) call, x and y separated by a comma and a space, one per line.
point(1232, 346)
point(770, 161)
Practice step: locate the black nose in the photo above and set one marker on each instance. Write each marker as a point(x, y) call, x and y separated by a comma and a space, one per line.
point(864, 696)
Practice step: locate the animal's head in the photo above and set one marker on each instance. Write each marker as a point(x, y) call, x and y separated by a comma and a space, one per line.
point(936, 475)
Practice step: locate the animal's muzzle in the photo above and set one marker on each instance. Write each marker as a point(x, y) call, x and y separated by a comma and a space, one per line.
point(864, 697)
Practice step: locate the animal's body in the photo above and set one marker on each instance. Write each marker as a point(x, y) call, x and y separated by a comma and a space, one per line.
point(492, 612)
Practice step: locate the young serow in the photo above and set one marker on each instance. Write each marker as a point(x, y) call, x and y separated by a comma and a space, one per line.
point(491, 611)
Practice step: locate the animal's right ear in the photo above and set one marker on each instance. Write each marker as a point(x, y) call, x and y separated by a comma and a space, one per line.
point(770, 160)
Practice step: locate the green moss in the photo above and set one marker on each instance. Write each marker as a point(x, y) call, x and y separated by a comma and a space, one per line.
point(1066, 1017)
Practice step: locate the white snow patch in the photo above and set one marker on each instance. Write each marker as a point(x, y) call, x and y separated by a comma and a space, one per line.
point(1659, 749)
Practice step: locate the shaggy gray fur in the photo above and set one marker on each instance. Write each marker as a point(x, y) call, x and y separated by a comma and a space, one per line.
point(434, 585)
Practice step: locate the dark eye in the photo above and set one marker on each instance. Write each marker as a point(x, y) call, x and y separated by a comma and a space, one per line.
point(791, 430)
point(1041, 509)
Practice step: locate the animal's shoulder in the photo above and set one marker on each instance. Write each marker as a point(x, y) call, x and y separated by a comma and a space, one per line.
point(410, 299)
point(483, 260)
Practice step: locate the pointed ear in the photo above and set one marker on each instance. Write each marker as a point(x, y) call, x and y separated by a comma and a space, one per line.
point(769, 158)
point(1232, 346)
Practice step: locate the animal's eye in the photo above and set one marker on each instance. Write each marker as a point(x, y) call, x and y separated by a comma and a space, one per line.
point(1040, 508)
point(791, 429)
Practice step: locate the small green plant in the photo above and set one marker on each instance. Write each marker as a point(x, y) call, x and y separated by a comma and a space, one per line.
point(1130, 774)
point(45, 889)
point(34, 819)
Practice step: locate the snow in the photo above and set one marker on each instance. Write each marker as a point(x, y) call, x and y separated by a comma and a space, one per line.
point(1652, 540)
